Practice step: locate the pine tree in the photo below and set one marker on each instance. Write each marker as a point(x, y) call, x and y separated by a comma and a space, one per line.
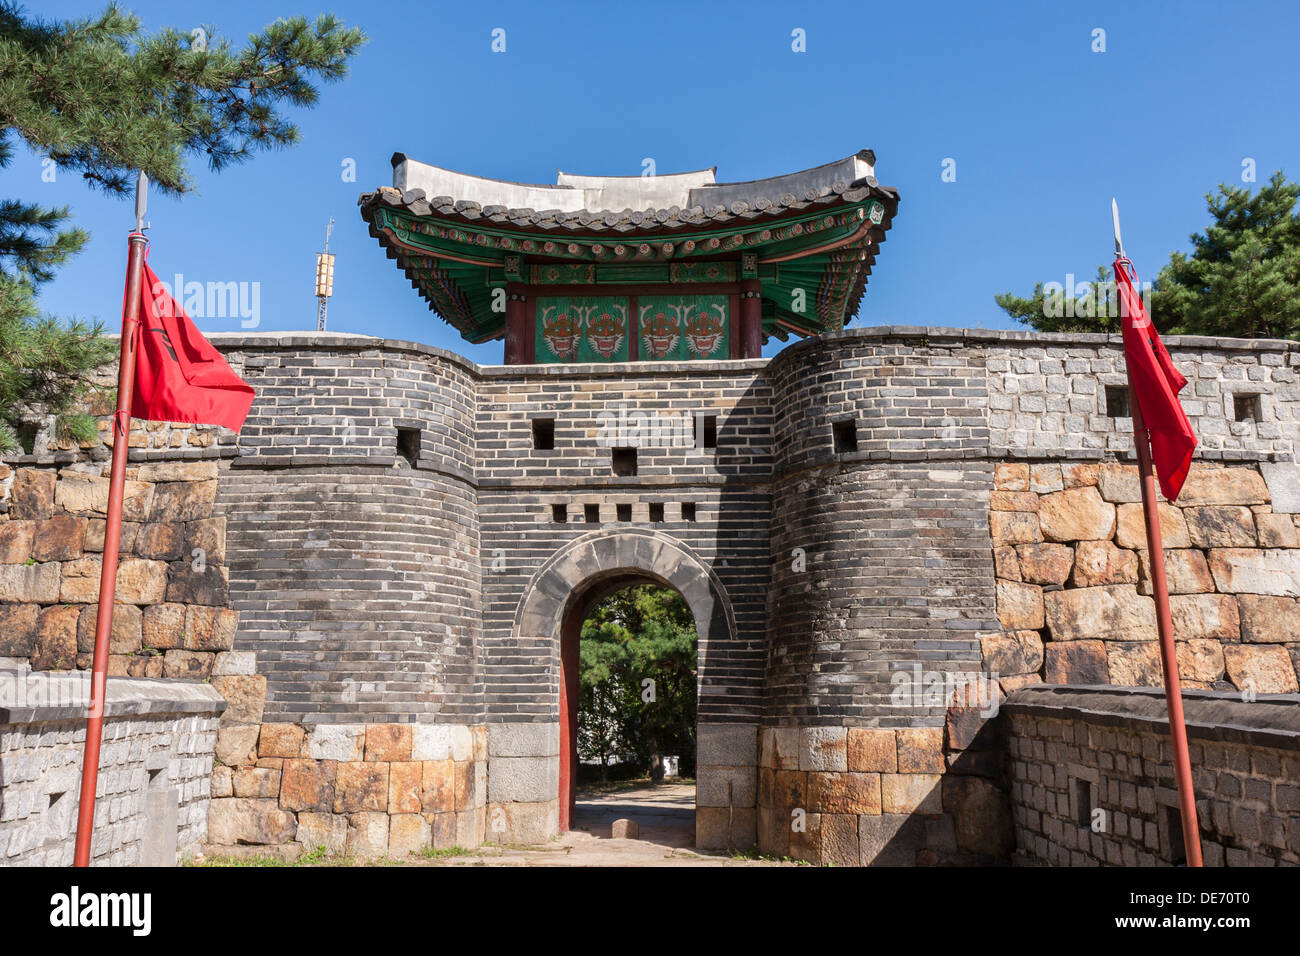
point(639, 633)
point(43, 363)
point(1242, 278)
point(102, 98)
point(1093, 307)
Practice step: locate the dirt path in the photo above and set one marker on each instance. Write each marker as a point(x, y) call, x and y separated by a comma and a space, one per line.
point(665, 814)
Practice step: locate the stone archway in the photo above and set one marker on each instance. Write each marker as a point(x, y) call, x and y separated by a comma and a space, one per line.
point(565, 587)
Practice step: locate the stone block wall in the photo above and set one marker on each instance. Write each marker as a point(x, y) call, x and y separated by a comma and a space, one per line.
point(866, 796)
point(365, 790)
point(1091, 777)
point(726, 786)
point(172, 617)
point(876, 568)
point(156, 759)
point(1074, 577)
point(522, 774)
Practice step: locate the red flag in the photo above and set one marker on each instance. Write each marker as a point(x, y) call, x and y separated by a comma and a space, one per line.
point(1156, 383)
point(179, 376)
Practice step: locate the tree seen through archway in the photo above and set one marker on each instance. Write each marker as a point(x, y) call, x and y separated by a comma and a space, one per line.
point(637, 673)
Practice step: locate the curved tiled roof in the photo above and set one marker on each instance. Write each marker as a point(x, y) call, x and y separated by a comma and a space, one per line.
point(426, 190)
point(449, 231)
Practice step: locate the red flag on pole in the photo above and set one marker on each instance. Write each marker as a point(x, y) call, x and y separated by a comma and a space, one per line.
point(1161, 433)
point(167, 372)
point(179, 376)
point(1157, 384)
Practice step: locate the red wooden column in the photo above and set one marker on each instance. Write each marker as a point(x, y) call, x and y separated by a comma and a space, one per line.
point(518, 339)
point(751, 319)
point(570, 643)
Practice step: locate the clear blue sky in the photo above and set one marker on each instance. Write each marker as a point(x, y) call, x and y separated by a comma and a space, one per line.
point(1043, 130)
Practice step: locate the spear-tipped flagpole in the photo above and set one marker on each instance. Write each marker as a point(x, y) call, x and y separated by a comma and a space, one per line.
point(1114, 218)
point(1164, 619)
point(112, 527)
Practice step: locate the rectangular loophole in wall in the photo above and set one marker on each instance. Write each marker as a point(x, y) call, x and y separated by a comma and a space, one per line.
point(846, 435)
point(706, 431)
point(544, 434)
point(1246, 408)
point(1083, 803)
point(656, 512)
point(560, 513)
point(688, 511)
point(624, 512)
point(1117, 401)
point(408, 445)
point(624, 461)
point(59, 814)
point(1177, 849)
point(591, 514)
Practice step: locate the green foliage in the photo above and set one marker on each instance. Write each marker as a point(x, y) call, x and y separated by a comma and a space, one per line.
point(45, 368)
point(638, 633)
point(102, 98)
point(1048, 311)
point(1242, 278)
point(429, 853)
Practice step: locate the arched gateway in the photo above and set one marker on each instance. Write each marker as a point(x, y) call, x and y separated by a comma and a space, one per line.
point(415, 538)
point(565, 588)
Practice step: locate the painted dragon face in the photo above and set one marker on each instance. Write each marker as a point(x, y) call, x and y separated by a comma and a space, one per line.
point(704, 332)
point(660, 334)
point(605, 333)
point(561, 336)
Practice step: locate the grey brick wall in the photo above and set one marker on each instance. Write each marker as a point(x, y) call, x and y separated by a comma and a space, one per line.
point(880, 553)
point(727, 486)
point(895, 573)
point(358, 589)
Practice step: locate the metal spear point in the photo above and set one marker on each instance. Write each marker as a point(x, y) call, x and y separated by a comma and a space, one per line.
point(1114, 215)
point(141, 200)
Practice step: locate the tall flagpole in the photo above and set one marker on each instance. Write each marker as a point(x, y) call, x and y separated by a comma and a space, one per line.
point(1164, 619)
point(112, 529)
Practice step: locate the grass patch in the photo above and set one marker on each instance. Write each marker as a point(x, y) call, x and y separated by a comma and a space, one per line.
point(239, 861)
point(595, 788)
point(751, 853)
point(429, 853)
point(318, 856)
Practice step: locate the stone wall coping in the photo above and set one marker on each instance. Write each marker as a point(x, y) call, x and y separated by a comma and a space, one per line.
point(1271, 720)
point(134, 455)
point(272, 341)
point(283, 341)
point(29, 697)
point(941, 335)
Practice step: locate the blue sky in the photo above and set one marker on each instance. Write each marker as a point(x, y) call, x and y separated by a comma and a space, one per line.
point(1043, 131)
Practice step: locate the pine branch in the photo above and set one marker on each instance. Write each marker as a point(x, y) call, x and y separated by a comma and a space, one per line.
point(157, 101)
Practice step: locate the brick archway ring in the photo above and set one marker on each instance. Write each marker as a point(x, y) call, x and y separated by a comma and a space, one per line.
point(608, 554)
